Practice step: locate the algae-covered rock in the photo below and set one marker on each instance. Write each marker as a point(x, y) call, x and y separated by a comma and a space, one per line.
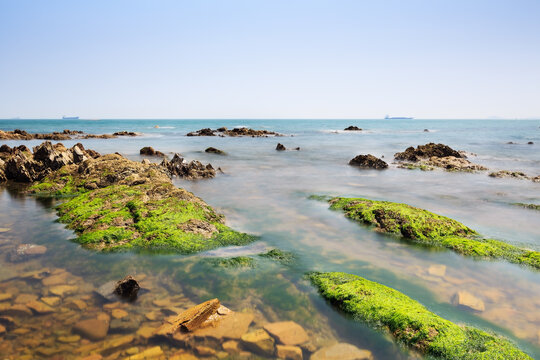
point(427, 151)
point(424, 227)
point(528, 206)
point(409, 321)
point(148, 216)
point(233, 262)
point(284, 257)
point(368, 161)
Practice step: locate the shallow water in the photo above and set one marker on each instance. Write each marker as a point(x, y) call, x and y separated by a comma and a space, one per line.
point(265, 192)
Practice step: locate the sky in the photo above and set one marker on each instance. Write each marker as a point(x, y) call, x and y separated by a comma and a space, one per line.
point(270, 59)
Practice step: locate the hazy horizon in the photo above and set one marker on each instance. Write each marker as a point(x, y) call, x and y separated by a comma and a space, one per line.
point(270, 60)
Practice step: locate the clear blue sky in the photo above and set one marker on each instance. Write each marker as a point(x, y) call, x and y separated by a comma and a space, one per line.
point(270, 59)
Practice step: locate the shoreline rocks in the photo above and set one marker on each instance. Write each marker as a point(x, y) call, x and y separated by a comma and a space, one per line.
point(369, 162)
point(18, 134)
point(241, 131)
point(149, 151)
point(213, 150)
point(178, 166)
point(352, 128)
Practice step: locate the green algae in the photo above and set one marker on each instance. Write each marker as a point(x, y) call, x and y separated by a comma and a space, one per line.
point(233, 262)
point(283, 257)
point(157, 217)
point(528, 206)
point(58, 185)
point(409, 321)
point(427, 228)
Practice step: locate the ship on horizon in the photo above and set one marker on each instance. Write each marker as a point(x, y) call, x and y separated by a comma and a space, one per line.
point(70, 117)
point(397, 118)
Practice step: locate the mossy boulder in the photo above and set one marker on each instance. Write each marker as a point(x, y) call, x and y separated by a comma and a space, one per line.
point(409, 321)
point(157, 217)
point(283, 257)
point(425, 227)
point(233, 262)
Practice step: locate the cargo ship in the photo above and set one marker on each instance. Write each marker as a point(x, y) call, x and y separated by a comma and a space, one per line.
point(70, 117)
point(397, 118)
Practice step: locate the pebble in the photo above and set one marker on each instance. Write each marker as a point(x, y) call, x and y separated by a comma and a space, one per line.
point(51, 300)
point(287, 332)
point(259, 341)
point(93, 329)
point(289, 352)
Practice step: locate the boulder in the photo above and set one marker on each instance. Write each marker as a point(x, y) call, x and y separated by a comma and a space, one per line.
point(26, 251)
point(259, 341)
point(352, 128)
point(149, 151)
point(93, 329)
point(510, 174)
point(341, 351)
point(468, 300)
point(213, 150)
point(178, 166)
point(190, 319)
point(127, 288)
point(280, 147)
point(287, 332)
point(368, 161)
point(427, 151)
point(289, 352)
point(229, 326)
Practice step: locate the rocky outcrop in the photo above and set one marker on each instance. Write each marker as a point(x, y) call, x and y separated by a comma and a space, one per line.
point(149, 151)
point(452, 163)
point(368, 161)
point(213, 150)
point(241, 131)
point(280, 147)
point(18, 134)
point(510, 174)
point(427, 151)
point(352, 128)
point(127, 288)
point(178, 166)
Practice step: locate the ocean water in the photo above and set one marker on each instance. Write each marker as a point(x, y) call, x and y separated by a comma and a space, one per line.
point(265, 192)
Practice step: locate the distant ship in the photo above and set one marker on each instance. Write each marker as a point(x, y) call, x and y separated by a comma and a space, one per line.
point(70, 117)
point(397, 118)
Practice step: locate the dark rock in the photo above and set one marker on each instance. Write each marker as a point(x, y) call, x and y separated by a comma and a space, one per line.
point(222, 129)
point(202, 132)
point(127, 288)
point(213, 150)
point(368, 161)
point(178, 166)
point(125, 133)
point(242, 131)
point(353, 128)
point(148, 150)
point(280, 147)
point(427, 151)
point(426, 130)
point(530, 143)
point(128, 324)
point(511, 143)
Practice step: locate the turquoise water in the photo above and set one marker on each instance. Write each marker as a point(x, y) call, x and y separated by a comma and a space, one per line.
point(265, 192)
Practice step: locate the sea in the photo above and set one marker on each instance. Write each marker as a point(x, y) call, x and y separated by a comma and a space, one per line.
point(266, 192)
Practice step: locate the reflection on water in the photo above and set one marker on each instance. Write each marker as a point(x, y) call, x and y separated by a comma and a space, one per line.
point(265, 192)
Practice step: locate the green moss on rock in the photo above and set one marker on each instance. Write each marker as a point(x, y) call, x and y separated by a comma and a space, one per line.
point(528, 206)
point(234, 262)
point(284, 257)
point(427, 228)
point(409, 321)
point(157, 217)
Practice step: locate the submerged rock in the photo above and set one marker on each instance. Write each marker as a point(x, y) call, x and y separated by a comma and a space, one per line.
point(287, 332)
point(341, 351)
point(213, 150)
point(93, 329)
point(427, 151)
point(352, 128)
point(452, 163)
point(128, 287)
point(368, 161)
point(190, 319)
point(193, 170)
point(510, 174)
point(149, 151)
point(468, 300)
point(26, 251)
point(260, 342)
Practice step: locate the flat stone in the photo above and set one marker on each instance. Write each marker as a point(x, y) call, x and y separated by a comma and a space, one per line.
point(112, 345)
point(190, 319)
point(341, 351)
point(119, 313)
point(39, 307)
point(468, 300)
point(5, 296)
point(287, 332)
point(58, 279)
point(231, 346)
point(24, 298)
point(437, 270)
point(92, 329)
point(231, 326)
point(51, 300)
point(146, 332)
point(204, 351)
point(61, 290)
point(2, 329)
point(16, 310)
point(289, 352)
point(92, 357)
point(77, 304)
point(153, 315)
point(69, 339)
point(259, 341)
point(151, 353)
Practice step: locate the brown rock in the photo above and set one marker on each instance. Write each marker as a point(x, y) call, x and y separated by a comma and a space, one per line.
point(437, 270)
point(231, 346)
point(259, 341)
point(24, 298)
point(427, 151)
point(341, 351)
point(468, 300)
point(119, 313)
point(352, 128)
point(92, 329)
point(151, 353)
point(287, 332)
point(2, 330)
point(368, 161)
point(204, 351)
point(128, 287)
point(190, 319)
point(15, 310)
point(289, 352)
point(61, 290)
point(231, 326)
point(149, 151)
point(39, 308)
point(280, 147)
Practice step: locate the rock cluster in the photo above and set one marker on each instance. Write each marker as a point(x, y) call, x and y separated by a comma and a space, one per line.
point(281, 147)
point(178, 166)
point(241, 131)
point(427, 151)
point(510, 174)
point(352, 128)
point(368, 161)
point(149, 151)
point(18, 134)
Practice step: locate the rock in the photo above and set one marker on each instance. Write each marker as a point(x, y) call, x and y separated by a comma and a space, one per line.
point(213, 150)
point(280, 147)
point(193, 170)
point(125, 133)
point(242, 131)
point(127, 288)
point(368, 161)
point(39, 308)
point(287, 332)
point(259, 341)
point(5, 296)
point(69, 339)
point(468, 300)
point(112, 345)
point(426, 130)
point(62, 290)
point(437, 270)
point(7, 321)
point(26, 251)
point(190, 319)
point(509, 174)
point(149, 151)
point(230, 326)
point(151, 353)
point(231, 346)
point(427, 151)
point(78, 154)
point(530, 143)
point(352, 128)
point(128, 324)
point(454, 164)
point(92, 329)
point(204, 351)
point(202, 132)
point(288, 352)
point(24, 298)
point(108, 291)
point(145, 332)
point(15, 310)
point(341, 351)
point(119, 313)
point(77, 304)
point(2, 330)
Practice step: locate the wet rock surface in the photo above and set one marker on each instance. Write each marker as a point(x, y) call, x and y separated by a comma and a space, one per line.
point(150, 151)
point(18, 134)
point(241, 131)
point(178, 166)
point(427, 151)
point(127, 288)
point(369, 162)
point(501, 174)
point(213, 150)
point(352, 128)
